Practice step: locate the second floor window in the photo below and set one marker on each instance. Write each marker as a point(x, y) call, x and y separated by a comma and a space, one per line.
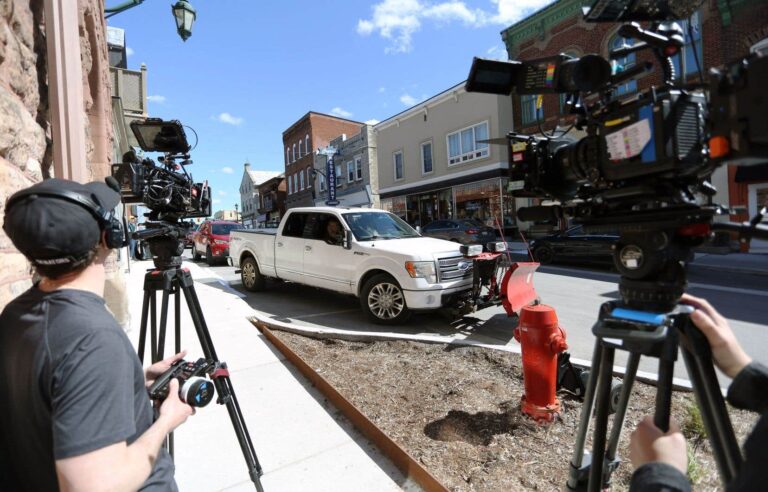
point(350, 171)
point(358, 168)
point(300, 154)
point(293, 154)
point(307, 148)
point(397, 161)
point(426, 157)
point(621, 64)
point(464, 145)
point(301, 180)
point(290, 186)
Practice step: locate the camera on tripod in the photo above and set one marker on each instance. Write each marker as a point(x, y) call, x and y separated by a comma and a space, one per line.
point(194, 389)
point(166, 189)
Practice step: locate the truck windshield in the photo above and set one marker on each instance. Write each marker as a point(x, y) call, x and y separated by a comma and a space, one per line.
point(224, 229)
point(371, 226)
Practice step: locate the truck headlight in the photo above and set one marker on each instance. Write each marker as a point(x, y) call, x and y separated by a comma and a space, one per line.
point(422, 269)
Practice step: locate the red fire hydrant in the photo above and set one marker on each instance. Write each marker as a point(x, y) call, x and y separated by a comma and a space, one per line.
point(541, 339)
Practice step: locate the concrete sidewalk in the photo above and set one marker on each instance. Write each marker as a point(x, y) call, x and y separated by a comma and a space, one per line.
point(301, 441)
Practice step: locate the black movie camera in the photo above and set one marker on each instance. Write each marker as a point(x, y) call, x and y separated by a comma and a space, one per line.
point(166, 189)
point(194, 388)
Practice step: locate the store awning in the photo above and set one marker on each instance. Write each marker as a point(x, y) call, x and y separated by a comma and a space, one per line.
point(757, 172)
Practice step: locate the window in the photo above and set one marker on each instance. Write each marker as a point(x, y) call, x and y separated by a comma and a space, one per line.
point(322, 179)
point(301, 180)
point(621, 64)
point(528, 111)
point(358, 168)
point(300, 143)
point(295, 183)
point(287, 155)
point(290, 186)
point(426, 158)
point(397, 161)
point(463, 145)
point(685, 61)
point(350, 171)
point(338, 175)
point(309, 177)
point(294, 226)
point(307, 148)
point(293, 153)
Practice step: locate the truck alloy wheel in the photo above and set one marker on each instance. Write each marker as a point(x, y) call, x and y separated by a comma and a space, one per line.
point(383, 301)
point(251, 276)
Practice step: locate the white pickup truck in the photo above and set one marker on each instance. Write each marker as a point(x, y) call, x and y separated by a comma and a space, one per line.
point(377, 257)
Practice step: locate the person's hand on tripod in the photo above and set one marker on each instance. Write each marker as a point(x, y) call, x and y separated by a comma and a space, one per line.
point(173, 411)
point(649, 444)
point(726, 351)
point(158, 368)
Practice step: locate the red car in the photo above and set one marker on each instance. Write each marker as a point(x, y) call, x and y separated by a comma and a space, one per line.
point(212, 240)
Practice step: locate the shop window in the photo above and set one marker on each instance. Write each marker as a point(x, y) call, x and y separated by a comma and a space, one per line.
point(338, 175)
point(397, 162)
point(685, 61)
point(463, 145)
point(350, 171)
point(528, 111)
point(321, 179)
point(426, 158)
point(622, 64)
point(481, 201)
point(358, 168)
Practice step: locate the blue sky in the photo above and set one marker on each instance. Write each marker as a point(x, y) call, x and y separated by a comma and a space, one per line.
point(252, 68)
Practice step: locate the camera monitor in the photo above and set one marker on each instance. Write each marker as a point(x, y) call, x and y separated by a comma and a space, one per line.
point(156, 135)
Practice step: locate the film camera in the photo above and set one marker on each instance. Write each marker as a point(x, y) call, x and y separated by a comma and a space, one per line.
point(644, 164)
point(166, 189)
point(194, 388)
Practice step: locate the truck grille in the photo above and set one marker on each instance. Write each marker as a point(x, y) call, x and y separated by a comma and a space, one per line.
point(454, 268)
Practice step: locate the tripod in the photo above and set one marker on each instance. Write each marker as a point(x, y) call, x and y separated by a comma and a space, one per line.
point(648, 321)
point(172, 280)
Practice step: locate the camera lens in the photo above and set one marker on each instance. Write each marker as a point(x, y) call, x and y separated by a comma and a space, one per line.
point(196, 392)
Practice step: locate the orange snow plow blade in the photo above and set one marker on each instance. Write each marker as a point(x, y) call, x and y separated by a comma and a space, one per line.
point(517, 289)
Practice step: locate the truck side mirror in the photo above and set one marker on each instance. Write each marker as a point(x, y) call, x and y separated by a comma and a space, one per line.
point(346, 242)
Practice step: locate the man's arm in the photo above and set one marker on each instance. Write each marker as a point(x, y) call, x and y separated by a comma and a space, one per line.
point(118, 466)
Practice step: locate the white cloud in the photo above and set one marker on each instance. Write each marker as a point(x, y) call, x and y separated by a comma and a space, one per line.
point(216, 200)
point(372, 122)
point(227, 170)
point(222, 193)
point(410, 100)
point(229, 119)
point(382, 90)
point(156, 99)
point(497, 52)
point(341, 113)
point(129, 51)
point(398, 20)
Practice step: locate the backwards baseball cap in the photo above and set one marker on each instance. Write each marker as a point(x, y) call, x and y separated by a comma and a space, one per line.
point(57, 221)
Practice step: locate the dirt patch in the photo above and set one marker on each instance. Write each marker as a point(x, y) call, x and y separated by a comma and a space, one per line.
point(457, 411)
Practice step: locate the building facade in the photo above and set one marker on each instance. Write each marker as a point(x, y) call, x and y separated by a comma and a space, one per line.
point(231, 215)
point(272, 195)
point(300, 140)
point(356, 171)
point(434, 161)
point(721, 32)
point(249, 194)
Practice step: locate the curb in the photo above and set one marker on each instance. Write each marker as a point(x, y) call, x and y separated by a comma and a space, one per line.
point(731, 269)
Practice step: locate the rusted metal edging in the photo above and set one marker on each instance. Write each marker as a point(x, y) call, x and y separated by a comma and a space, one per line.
point(399, 457)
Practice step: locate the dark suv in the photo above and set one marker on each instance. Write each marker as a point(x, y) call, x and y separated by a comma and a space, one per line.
point(464, 231)
point(212, 240)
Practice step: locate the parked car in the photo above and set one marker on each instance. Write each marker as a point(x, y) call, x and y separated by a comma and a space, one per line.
point(189, 239)
point(464, 231)
point(212, 240)
point(574, 245)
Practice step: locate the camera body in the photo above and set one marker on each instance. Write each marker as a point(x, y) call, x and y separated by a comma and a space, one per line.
point(166, 189)
point(194, 388)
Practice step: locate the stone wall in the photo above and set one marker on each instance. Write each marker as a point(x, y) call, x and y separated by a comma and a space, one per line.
point(25, 145)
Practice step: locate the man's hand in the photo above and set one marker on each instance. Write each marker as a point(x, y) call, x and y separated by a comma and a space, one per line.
point(173, 411)
point(158, 368)
point(648, 444)
point(726, 351)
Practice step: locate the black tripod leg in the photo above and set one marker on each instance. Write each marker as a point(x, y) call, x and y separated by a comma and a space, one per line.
point(177, 313)
point(618, 418)
point(143, 328)
point(163, 323)
point(222, 383)
point(664, 395)
point(579, 469)
point(153, 334)
point(602, 408)
point(698, 359)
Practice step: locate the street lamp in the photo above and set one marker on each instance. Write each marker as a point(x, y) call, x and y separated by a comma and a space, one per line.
point(183, 13)
point(237, 217)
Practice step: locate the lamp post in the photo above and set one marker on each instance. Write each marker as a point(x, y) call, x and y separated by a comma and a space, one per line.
point(237, 217)
point(183, 13)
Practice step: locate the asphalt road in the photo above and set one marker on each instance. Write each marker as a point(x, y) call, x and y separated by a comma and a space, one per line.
point(575, 293)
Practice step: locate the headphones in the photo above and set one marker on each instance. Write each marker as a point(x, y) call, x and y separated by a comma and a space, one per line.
point(115, 232)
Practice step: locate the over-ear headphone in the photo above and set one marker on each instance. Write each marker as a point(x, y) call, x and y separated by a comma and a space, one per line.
point(115, 232)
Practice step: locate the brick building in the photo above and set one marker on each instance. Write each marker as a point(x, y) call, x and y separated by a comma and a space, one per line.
point(272, 200)
point(722, 32)
point(310, 132)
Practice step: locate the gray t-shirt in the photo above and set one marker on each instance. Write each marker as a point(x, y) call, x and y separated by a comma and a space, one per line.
point(70, 383)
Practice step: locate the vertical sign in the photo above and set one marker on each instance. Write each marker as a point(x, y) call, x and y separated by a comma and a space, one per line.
point(330, 173)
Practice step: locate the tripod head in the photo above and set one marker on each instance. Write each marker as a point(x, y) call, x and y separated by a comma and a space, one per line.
point(165, 239)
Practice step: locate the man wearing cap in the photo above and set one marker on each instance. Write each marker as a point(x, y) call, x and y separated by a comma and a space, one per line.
point(75, 410)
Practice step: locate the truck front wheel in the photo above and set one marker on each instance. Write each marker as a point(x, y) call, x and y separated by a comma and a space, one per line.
point(383, 301)
point(251, 276)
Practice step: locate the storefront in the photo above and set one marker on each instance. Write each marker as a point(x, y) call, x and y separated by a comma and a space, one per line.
point(484, 200)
